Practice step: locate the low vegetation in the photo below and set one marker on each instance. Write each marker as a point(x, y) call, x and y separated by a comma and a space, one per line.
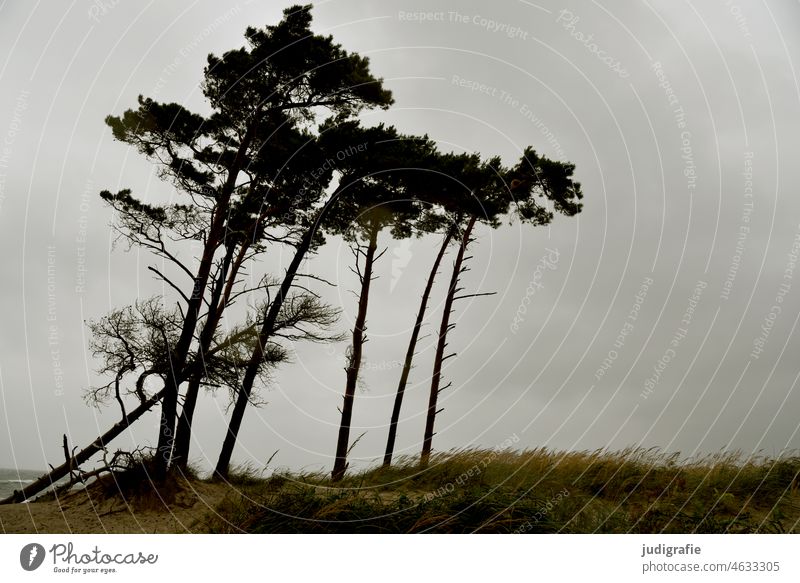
point(539, 491)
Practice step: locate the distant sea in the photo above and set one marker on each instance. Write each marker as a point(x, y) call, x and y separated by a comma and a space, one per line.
point(11, 480)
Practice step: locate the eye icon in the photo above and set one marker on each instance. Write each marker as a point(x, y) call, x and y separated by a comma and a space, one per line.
point(31, 556)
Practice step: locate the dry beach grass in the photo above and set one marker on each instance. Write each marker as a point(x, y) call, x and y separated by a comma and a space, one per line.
point(491, 491)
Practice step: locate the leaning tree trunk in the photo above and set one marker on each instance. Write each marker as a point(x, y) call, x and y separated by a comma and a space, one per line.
point(83, 456)
point(219, 300)
point(354, 364)
point(183, 437)
point(267, 329)
point(412, 346)
point(179, 356)
point(264, 335)
point(443, 329)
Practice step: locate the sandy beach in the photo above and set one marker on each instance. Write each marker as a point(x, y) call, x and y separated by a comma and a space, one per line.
point(85, 511)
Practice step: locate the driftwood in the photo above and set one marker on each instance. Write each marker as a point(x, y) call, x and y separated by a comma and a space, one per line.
point(72, 462)
point(79, 476)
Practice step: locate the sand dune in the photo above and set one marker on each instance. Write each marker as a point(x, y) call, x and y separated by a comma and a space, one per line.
point(87, 511)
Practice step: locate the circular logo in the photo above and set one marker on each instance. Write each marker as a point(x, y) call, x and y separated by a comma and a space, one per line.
point(31, 556)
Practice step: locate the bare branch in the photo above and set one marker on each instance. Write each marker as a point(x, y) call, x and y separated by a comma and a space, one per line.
point(474, 295)
point(168, 281)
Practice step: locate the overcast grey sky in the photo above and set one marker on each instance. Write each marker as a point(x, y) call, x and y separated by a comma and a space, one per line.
point(664, 315)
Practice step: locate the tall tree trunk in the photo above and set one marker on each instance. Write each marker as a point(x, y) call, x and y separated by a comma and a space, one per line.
point(225, 280)
point(183, 437)
point(264, 335)
point(267, 329)
point(354, 364)
point(178, 356)
point(443, 329)
point(82, 456)
point(412, 346)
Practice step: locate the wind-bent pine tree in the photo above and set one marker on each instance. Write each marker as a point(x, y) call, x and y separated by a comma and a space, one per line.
point(495, 191)
point(382, 199)
point(356, 154)
point(480, 197)
point(437, 180)
point(265, 216)
point(286, 70)
point(412, 346)
point(451, 200)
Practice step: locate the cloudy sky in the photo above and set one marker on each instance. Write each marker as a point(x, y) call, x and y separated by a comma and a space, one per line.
point(665, 315)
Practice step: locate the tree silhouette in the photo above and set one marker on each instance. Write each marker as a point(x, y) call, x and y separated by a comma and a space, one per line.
point(412, 345)
point(363, 159)
point(532, 190)
point(287, 73)
point(434, 185)
point(282, 161)
point(478, 192)
point(277, 195)
point(133, 339)
point(381, 199)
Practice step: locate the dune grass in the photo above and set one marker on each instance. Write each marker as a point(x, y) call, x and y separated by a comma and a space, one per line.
point(538, 491)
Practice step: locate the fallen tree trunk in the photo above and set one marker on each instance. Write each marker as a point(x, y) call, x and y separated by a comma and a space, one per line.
point(84, 455)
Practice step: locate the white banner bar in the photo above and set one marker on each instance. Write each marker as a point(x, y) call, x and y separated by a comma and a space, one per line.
point(401, 558)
